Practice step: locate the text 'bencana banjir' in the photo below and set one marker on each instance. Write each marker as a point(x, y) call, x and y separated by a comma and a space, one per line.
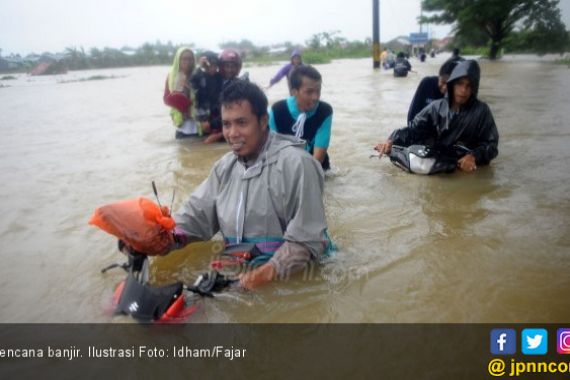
point(177, 352)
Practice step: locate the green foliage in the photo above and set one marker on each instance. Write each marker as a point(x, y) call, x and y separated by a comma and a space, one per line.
point(475, 50)
point(313, 57)
point(321, 48)
point(8, 77)
point(147, 54)
point(492, 23)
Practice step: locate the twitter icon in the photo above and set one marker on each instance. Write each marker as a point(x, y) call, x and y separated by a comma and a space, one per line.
point(534, 341)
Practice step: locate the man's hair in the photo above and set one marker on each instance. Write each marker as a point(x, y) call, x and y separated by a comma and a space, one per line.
point(455, 52)
point(448, 66)
point(240, 90)
point(304, 71)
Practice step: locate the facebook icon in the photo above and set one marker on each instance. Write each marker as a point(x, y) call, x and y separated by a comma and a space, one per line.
point(503, 341)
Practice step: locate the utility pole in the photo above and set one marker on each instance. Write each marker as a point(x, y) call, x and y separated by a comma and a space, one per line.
point(376, 33)
point(421, 15)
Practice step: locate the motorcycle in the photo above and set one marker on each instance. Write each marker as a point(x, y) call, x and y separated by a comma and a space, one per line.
point(136, 297)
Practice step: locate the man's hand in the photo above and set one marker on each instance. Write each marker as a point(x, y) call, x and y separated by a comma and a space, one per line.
point(467, 163)
point(203, 62)
point(213, 137)
point(319, 154)
point(384, 148)
point(257, 277)
point(205, 126)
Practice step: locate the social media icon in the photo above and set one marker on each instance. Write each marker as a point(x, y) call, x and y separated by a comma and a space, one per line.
point(563, 341)
point(534, 341)
point(504, 341)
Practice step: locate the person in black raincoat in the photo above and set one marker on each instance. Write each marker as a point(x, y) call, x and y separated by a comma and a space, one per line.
point(431, 88)
point(458, 119)
point(401, 66)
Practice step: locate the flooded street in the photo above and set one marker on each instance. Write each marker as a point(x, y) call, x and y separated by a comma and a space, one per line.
point(491, 246)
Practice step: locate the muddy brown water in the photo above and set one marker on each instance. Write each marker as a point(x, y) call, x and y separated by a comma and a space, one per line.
point(484, 247)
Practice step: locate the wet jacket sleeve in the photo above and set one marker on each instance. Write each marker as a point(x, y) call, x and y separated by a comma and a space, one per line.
point(280, 74)
point(487, 146)
point(290, 258)
point(197, 219)
point(419, 100)
point(303, 202)
point(422, 127)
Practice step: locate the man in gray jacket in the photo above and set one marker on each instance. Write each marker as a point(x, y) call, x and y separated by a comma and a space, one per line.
point(267, 191)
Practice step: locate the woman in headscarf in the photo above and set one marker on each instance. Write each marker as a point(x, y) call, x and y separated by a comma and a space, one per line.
point(178, 94)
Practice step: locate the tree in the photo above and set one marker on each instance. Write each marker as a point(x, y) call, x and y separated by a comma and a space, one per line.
point(498, 19)
point(329, 40)
point(76, 58)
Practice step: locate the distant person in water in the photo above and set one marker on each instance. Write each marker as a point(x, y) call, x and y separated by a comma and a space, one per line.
point(457, 119)
point(230, 66)
point(430, 88)
point(285, 71)
point(207, 83)
point(178, 93)
point(388, 60)
point(422, 55)
point(455, 55)
point(304, 115)
point(401, 66)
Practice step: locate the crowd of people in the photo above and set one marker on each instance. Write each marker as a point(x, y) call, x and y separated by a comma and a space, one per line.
point(268, 190)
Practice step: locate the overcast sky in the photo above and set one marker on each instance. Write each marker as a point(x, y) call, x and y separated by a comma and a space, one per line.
point(52, 25)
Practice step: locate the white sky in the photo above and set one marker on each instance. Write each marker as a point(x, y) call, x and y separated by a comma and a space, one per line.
point(52, 25)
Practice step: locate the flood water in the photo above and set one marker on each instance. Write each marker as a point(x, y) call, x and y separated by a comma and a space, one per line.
point(488, 246)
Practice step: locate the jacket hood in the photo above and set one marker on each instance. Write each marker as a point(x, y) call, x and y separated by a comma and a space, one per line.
point(296, 52)
point(275, 143)
point(470, 69)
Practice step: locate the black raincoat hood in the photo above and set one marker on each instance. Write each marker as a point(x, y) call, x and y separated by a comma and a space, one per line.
point(470, 69)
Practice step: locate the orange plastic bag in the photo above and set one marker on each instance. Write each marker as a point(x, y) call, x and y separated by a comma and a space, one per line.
point(140, 223)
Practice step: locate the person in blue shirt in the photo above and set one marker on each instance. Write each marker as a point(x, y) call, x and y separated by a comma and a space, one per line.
point(431, 88)
point(304, 115)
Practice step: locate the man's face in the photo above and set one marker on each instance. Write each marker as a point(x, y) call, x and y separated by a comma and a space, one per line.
point(442, 83)
point(296, 60)
point(229, 70)
point(186, 61)
point(462, 91)
point(308, 94)
point(242, 129)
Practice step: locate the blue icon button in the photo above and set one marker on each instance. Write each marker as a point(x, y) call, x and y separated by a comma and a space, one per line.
point(534, 341)
point(503, 341)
